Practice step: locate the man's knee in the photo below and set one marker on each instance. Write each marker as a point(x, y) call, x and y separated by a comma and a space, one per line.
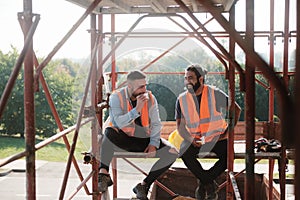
point(172, 149)
point(173, 153)
point(110, 132)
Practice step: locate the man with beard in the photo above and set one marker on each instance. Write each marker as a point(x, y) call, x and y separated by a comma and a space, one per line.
point(135, 127)
point(200, 123)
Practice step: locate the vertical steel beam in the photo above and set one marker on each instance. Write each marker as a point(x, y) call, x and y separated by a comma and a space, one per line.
point(94, 100)
point(113, 54)
point(286, 42)
point(100, 82)
point(29, 111)
point(271, 61)
point(281, 162)
point(297, 95)
point(271, 91)
point(231, 79)
point(250, 104)
point(100, 68)
point(99, 94)
point(113, 87)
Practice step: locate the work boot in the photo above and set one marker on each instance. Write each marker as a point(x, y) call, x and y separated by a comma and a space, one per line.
point(212, 191)
point(104, 181)
point(200, 192)
point(141, 191)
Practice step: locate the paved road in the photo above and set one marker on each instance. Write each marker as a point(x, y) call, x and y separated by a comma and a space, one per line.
point(49, 176)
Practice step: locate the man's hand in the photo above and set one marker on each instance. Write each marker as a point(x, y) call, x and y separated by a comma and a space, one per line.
point(141, 99)
point(151, 150)
point(197, 143)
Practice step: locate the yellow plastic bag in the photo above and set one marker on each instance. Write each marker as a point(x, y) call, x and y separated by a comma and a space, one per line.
point(175, 139)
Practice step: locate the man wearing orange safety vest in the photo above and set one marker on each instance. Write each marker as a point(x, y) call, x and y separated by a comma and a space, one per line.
point(135, 127)
point(201, 124)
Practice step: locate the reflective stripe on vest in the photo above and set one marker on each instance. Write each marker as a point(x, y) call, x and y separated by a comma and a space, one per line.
point(209, 122)
point(126, 107)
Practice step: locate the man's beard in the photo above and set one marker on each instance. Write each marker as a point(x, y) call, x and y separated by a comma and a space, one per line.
point(193, 88)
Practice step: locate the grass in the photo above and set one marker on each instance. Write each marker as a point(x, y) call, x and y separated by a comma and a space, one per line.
point(56, 151)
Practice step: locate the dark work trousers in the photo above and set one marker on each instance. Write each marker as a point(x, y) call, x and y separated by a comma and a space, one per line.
point(119, 141)
point(189, 154)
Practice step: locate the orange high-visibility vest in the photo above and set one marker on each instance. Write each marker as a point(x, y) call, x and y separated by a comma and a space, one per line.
point(209, 122)
point(126, 107)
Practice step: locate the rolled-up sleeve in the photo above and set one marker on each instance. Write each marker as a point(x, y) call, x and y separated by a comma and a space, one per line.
point(155, 126)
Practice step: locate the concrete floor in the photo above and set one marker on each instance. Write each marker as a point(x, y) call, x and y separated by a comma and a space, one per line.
point(49, 177)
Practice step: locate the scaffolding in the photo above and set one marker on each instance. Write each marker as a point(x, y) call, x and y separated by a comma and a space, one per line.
point(179, 12)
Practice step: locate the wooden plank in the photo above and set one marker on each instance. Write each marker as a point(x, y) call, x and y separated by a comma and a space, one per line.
point(262, 129)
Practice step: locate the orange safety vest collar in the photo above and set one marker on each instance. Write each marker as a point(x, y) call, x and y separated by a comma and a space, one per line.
point(209, 122)
point(126, 107)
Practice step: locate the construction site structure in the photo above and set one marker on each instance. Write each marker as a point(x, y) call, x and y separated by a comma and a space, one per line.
point(185, 15)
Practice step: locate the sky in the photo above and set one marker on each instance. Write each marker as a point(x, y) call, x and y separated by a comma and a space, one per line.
point(56, 19)
point(58, 16)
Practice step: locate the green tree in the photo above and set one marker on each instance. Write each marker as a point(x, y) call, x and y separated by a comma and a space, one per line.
point(12, 120)
point(60, 76)
point(261, 99)
point(60, 81)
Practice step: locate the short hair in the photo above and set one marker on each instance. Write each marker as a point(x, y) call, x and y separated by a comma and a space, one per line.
point(198, 70)
point(135, 75)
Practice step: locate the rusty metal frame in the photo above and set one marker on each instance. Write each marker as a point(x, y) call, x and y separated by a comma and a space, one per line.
point(297, 99)
point(10, 84)
point(250, 129)
point(113, 73)
point(251, 171)
point(250, 92)
point(27, 55)
point(234, 185)
point(289, 111)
